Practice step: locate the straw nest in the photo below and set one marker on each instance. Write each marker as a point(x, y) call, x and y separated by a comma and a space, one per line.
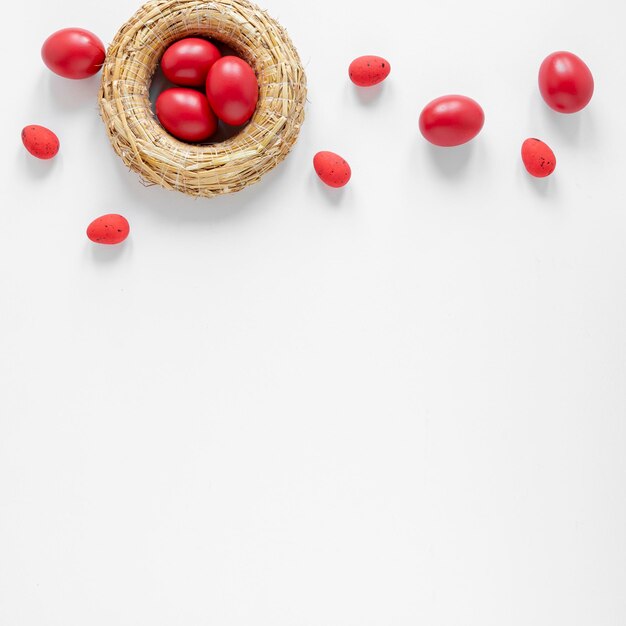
point(196, 169)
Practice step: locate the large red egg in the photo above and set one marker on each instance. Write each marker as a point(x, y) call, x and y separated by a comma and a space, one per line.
point(451, 120)
point(73, 53)
point(565, 82)
point(188, 61)
point(232, 90)
point(186, 114)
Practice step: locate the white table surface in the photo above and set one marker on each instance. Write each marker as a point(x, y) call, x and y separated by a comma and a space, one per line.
point(401, 403)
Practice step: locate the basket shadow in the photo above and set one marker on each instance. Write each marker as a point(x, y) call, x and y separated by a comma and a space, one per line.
point(176, 206)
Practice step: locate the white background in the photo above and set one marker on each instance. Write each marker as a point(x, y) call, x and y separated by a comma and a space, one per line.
point(401, 403)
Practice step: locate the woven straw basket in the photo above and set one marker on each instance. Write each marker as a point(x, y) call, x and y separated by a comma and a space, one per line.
point(212, 169)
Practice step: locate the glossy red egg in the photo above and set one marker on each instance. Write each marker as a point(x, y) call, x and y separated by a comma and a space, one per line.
point(188, 61)
point(538, 158)
point(332, 169)
point(232, 90)
point(186, 114)
point(451, 120)
point(73, 53)
point(40, 141)
point(108, 229)
point(565, 82)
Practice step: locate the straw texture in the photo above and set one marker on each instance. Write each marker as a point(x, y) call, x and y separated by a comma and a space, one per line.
point(202, 170)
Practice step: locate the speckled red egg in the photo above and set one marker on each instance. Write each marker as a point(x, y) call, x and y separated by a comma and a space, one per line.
point(40, 141)
point(538, 158)
point(108, 229)
point(368, 70)
point(332, 169)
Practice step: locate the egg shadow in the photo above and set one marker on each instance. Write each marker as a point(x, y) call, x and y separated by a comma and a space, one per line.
point(158, 84)
point(73, 94)
point(451, 162)
point(568, 126)
point(545, 187)
point(105, 253)
point(332, 195)
point(38, 169)
point(368, 95)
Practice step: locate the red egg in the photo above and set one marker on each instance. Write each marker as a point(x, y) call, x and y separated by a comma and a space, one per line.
point(332, 169)
point(565, 82)
point(186, 114)
point(108, 229)
point(538, 158)
point(369, 70)
point(73, 53)
point(451, 120)
point(187, 62)
point(232, 90)
point(40, 141)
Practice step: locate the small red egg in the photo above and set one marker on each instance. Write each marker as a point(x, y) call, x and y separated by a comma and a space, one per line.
point(332, 169)
point(73, 53)
point(565, 82)
point(186, 114)
point(108, 229)
point(40, 141)
point(232, 90)
point(451, 120)
point(188, 61)
point(368, 70)
point(538, 158)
